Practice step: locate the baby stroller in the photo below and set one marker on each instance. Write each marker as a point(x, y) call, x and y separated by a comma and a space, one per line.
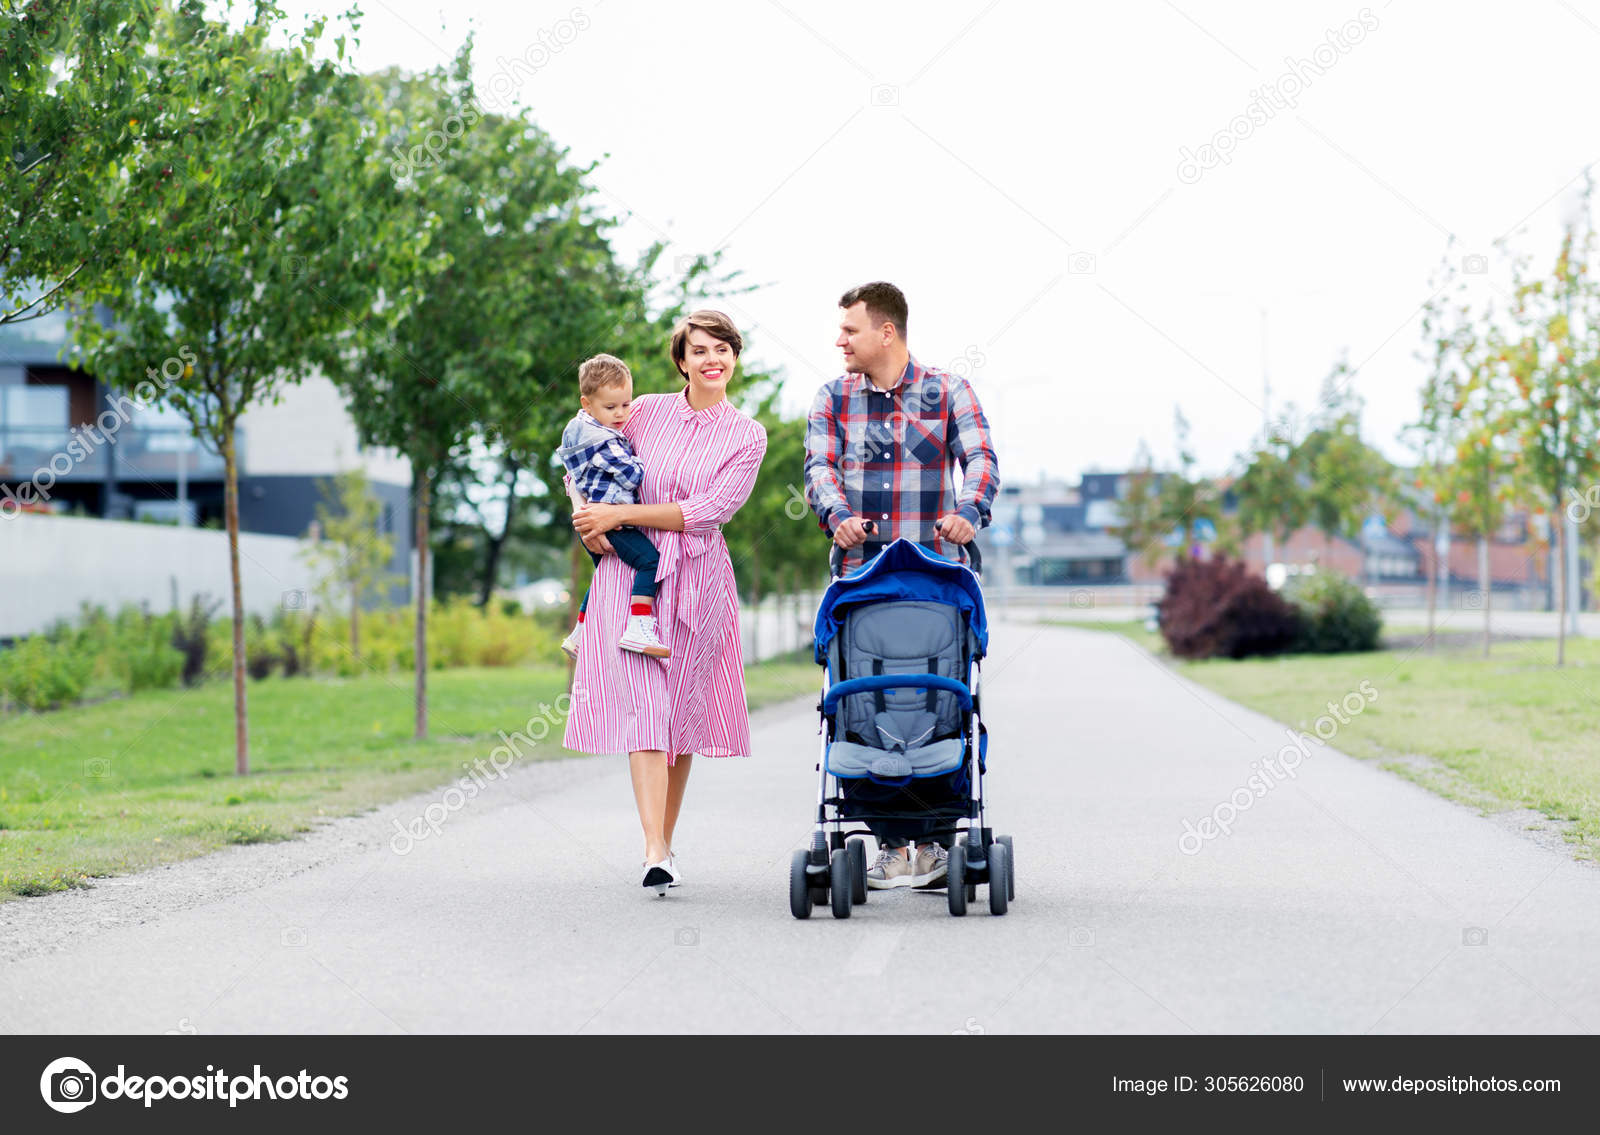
point(901, 639)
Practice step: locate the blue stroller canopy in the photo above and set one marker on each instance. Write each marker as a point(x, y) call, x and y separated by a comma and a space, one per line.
point(903, 570)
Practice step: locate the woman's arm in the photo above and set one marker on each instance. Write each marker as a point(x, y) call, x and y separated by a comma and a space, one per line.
point(599, 518)
point(704, 510)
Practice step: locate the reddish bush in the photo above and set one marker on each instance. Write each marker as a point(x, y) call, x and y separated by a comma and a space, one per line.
point(1218, 609)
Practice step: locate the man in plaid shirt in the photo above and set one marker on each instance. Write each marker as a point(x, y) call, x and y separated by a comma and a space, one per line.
point(882, 442)
point(881, 445)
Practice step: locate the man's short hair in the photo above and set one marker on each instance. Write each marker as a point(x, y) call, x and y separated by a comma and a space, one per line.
point(713, 323)
point(601, 371)
point(885, 303)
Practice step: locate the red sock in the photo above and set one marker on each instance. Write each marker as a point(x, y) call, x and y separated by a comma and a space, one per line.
point(581, 614)
point(639, 609)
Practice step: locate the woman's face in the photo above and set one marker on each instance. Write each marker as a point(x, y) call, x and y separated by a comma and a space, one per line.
point(709, 362)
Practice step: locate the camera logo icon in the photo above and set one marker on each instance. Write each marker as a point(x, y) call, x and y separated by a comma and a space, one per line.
point(1081, 263)
point(68, 1085)
point(1474, 936)
point(885, 94)
point(294, 600)
point(1080, 937)
point(1475, 264)
point(687, 936)
point(97, 766)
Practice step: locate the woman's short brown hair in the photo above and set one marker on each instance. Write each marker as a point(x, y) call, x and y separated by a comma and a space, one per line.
point(713, 323)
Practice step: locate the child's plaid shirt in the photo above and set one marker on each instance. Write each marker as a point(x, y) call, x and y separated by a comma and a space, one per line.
point(889, 456)
point(600, 461)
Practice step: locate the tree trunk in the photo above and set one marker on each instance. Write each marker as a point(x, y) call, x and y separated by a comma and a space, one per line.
point(423, 504)
point(230, 480)
point(1485, 587)
point(355, 622)
point(496, 544)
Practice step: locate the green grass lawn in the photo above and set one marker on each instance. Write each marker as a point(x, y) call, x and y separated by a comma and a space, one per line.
point(1508, 731)
point(127, 784)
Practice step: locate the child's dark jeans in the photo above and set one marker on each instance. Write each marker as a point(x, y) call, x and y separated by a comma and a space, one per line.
point(634, 549)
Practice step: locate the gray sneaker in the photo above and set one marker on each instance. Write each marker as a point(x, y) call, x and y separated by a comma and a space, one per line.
point(932, 864)
point(890, 869)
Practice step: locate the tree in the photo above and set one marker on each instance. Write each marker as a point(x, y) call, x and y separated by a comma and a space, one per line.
point(507, 309)
point(1140, 525)
point(1552, 357)
point(277, 229)
point(1484, 474)
point(1271, 492)
point(773, 540)
point(1346, 479)
point(1184, 499)
point(350, 555)
point(1436, 434)
point(82, 171)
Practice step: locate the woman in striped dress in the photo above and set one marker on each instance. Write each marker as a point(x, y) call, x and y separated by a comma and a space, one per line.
point(700, 457)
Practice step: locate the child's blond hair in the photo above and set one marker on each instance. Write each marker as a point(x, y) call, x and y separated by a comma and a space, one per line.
point(601, 371)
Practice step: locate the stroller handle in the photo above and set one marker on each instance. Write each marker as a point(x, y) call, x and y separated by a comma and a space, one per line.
point(836, 555)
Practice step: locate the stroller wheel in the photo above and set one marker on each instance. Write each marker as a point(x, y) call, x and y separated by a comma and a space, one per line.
point(1011, 867)
point(840, 883)
point(999, 877)
point(956, 879)
point(858, 870)
point(799, 888)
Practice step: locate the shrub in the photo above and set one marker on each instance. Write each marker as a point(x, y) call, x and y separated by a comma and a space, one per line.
point(1336, 615)
point(1218, 609)
point(146, 658)
point(192, 636)
point(41, 674)
point(260, 653)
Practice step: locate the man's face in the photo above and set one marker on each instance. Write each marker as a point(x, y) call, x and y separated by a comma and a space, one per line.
point(864, 345)
point(610, 405)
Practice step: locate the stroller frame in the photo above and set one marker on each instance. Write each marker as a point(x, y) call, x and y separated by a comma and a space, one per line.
point(832, 869)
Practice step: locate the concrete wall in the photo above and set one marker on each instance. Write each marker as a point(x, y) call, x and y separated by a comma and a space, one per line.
point(51, 564)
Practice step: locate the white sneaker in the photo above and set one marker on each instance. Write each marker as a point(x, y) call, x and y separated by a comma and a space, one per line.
point(641, 638)
point(569, 645)
point(889, 870)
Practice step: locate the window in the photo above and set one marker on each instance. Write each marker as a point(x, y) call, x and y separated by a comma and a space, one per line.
point(34, 407)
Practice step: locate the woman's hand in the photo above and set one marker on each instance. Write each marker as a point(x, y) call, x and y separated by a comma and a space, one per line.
point(596, 520)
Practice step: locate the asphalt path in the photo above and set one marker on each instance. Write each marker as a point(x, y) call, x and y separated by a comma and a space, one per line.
point(1342, 900)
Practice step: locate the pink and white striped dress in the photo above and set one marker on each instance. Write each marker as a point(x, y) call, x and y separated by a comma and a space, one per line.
point(706, 462)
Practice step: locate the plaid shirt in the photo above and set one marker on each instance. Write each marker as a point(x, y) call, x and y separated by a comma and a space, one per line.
point(888, 456)
point(600, 461)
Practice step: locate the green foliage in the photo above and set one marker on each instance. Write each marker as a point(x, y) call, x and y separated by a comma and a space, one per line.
point(773, 541)
point(80, 173)
point(39, 673)
point(1336, 614)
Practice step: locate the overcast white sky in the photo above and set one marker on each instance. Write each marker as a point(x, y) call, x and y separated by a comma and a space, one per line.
point(1014, 167)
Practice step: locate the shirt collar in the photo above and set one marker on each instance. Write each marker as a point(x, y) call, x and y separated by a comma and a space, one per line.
point(586, 416)
point(710, 414)
point(908, 378)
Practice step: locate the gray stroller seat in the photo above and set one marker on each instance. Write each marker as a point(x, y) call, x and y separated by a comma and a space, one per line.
point(895, 734)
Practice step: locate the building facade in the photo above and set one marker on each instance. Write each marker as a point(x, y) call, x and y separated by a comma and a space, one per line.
point(110, 459)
